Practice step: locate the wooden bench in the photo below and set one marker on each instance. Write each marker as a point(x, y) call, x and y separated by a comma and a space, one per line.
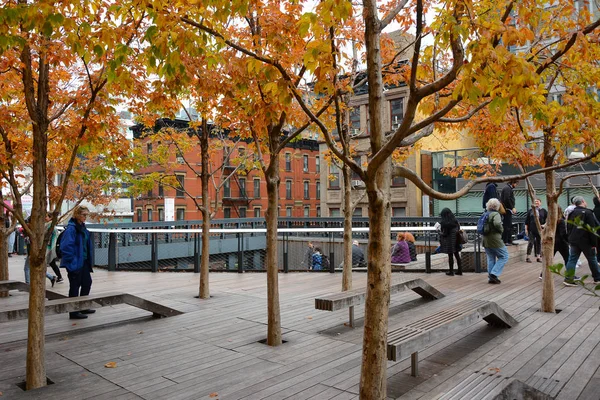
point(351, 298)
point(490, 386)
point(409, 339)
point(69, 304)
point(6, 286)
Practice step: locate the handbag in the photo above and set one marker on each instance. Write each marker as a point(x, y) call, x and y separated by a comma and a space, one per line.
point(502, 210)
point(462, 237)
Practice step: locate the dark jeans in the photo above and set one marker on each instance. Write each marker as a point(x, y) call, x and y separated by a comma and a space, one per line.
point(535, 242)
point(564, 252)
point(458, 261)
point(590, 255)
point(80, 283)
point(507, 225)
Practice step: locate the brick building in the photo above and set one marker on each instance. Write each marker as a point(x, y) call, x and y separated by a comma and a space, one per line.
point(244, 195)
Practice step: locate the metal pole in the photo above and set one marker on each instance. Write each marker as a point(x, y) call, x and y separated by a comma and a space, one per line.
point(428, 254)
point(154, 247)
point(240, 257)
point(112, 251)
point(331, 255)
point(286, 254)
point(477, 248)
point(196, 253)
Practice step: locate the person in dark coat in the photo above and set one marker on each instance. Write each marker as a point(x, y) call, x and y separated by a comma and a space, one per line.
point(531, 230)
point(76, 256)
point(449, 228)
point(597, 215)
point(581, 241)
point(491, 192)
point(412, 249)
point(507, 198)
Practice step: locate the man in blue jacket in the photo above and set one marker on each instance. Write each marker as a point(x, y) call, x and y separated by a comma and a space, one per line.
point(76, 255)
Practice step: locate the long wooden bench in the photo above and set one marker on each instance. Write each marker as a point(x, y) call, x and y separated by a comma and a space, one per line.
point(490, 386)
point(351, 298)
point(6, 286)
point(69, 304)
point(409, 339)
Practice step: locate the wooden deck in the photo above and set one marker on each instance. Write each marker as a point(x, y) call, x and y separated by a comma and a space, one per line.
point(213, 351)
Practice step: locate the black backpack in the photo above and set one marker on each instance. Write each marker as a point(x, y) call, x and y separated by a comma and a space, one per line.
point(57, 246)
point(324, 262)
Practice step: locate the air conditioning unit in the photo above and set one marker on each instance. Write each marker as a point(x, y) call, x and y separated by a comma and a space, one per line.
point(355, 132)
point(357, 183)
point(180, 160)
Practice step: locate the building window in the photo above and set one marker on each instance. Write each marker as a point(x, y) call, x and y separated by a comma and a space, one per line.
point(179, 157)
point(318, 163)
point(355, 176)
point(306, 191)
point(357, 212)
point(242, 187)
point(256, 212)
point(256, 188)
point(149, 194)
point(306, 212)
point(149, 152)
point(180, 185)
point(355, 121)
point(288, 190)
point(288, 161)
point(149, 211)
point(161, 214)
point(305, 162)
point(318, 190)
point(318, 212)
point(242, 212)
point(288, 211)
point(398, 181)
point(227, 189)
point(161, 190)
point(226, 153)
point(139, 215)
point(396, 112)
point(334, 177)
point(334, 212)
point(180, 214)
point(398, 211)
point(226, 212)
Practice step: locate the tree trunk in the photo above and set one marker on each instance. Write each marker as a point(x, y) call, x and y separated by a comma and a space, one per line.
point(204, 262)
point(347, 271)
point(548, 244)
point(374, 359)
point(36, 360)
point(274, 317)
point(3, 258)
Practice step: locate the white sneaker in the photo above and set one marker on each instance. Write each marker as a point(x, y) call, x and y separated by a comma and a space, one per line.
point(578, 264)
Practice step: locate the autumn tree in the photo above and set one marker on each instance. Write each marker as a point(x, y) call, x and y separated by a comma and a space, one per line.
point(66, 69)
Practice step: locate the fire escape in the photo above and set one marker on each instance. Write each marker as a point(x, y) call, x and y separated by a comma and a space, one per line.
point(238, 197)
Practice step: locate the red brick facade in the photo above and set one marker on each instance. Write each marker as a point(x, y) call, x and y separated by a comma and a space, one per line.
point(297, 194)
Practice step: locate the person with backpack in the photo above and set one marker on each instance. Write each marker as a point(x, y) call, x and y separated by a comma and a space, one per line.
point(317, 259)
point(76, 256)
point(495, 249)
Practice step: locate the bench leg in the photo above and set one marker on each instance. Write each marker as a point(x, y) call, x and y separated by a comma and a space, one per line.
point(414, 364)
point(351, 316)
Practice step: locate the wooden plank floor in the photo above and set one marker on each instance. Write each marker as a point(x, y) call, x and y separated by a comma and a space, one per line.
point(213, 350)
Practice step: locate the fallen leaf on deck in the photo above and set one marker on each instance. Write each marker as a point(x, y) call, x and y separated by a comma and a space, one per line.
point(73, 324)
point(496, 370)
point(64, 338)
point(84, 374)
point(215, 394)
point(140, 332)
point(110, 364)
point(309, 317)
point(129, 353)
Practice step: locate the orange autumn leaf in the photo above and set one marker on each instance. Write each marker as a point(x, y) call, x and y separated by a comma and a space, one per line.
point(110, 364)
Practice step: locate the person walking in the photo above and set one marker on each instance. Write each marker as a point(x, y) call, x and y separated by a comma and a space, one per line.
point(449, 228)
point(11, 237)
point(495, 249)
point(26, 266)
point(597, 215)
point(76, 256)
point(491, 192)
point(317, 259)
point(531, 230)
point(561, 239)
point(400, 251)
point(507, 198)
point(51, 251)
point(581, 241)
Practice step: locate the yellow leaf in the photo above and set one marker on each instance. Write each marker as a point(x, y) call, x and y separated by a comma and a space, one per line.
point(110, 364)
point(214, 394)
